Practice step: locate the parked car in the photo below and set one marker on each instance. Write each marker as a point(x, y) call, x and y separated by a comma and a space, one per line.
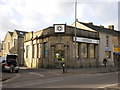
point(10, 64)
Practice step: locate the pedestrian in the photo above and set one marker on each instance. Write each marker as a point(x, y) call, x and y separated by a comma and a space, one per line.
point(105, 62)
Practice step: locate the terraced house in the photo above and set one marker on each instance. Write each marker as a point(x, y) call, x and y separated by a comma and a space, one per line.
point(109, 44)
point(13, 43)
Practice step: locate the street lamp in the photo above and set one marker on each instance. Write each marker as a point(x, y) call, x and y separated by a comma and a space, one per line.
point(75, 29)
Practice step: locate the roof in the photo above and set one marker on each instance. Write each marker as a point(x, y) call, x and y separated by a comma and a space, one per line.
point(11, 33)
point(21, 33)
point(119, 33)
point(100, 29)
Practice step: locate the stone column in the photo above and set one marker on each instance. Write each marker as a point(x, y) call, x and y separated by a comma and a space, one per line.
point(88, 54)
point(80, 55)
point(97, 55)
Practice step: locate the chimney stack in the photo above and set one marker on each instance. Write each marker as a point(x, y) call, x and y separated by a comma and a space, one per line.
point(111, 27)
point(90, 23)
point(101, 26)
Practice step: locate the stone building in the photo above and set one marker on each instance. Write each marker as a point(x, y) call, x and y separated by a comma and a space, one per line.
point(13, 43)
point(0, 49)
point(109, 45)
point(50, 47)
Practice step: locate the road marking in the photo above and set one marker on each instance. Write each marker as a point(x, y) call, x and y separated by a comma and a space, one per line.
point(110, 85)
point(55, 80)
point(36, 74)
point(12, 78)
point(54, 73)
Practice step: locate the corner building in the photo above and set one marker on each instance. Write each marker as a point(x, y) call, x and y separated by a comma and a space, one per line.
point(51, 47)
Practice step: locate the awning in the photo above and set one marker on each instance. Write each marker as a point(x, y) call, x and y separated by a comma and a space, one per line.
point(117, 53)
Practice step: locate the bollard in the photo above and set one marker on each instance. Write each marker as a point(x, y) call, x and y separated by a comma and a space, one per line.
point(63, 67)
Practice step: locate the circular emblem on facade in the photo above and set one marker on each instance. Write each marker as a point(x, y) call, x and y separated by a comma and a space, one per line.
point(59, 28)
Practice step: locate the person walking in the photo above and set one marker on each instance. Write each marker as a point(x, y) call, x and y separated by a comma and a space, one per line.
point(105, 62)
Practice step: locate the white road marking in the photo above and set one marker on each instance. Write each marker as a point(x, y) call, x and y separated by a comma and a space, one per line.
point(110, 85)
point(13, 78)
point(54, 80)
point(54, 73)
point(36, 74)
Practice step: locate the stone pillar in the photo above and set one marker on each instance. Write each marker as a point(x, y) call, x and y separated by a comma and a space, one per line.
point(89, 53)
point(53, 55)
point(80, 55)
point(97, 55)
point(42, 54)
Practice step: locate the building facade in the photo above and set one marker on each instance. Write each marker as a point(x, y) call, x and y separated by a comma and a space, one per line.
point(13, 43)
point(53, 46)
point(0, 46)
point(109, 44)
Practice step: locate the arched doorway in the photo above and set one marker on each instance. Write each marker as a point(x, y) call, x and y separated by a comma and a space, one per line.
point(59, 55)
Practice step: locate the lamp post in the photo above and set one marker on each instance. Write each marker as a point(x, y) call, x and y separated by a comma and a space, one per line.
point(75, 30)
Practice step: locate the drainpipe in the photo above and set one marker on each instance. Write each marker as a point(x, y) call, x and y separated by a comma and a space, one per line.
point(32, 50)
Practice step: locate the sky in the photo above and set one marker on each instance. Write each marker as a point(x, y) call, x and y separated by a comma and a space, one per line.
point(34, 15)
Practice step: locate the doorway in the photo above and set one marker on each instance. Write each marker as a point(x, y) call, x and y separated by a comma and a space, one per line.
point(59, 58)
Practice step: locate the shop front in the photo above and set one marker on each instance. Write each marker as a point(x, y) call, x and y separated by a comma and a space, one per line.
point(116, 55)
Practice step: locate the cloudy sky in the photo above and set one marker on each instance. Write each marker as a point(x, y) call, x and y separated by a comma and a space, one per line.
point(34, 15)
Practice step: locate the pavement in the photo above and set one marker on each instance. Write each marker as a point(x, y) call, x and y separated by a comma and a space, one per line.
point(6, 76)
point(77, 70)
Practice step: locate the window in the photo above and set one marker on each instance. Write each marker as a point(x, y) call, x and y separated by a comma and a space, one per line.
point(8, 45)
point(15, 42)
point(92, 51)
point(34, 51)
point(45, 48)
point(107, 41)
point(108, 54)
point(38, 50)
point(4, 46)
point(84, 50)
point(27, 50)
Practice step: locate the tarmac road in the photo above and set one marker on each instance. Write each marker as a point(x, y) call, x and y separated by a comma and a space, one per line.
point(53, 79)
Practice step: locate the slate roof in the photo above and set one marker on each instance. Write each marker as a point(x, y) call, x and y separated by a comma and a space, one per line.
point(11, 33)
point(20, 33)
point(101, 29)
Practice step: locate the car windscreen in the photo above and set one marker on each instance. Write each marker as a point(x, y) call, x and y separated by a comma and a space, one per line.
point(11, 62)
point(11, 57)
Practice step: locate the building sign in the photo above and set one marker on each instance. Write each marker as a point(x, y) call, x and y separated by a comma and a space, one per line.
point(107, 48)
point(116, 49)
point(59, 28)
point(46, 52)
point(86, 40)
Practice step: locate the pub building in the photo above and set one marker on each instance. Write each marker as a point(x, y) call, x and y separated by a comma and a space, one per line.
point(55, 45)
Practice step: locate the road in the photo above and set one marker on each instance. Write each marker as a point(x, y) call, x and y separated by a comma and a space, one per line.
point(50, 79)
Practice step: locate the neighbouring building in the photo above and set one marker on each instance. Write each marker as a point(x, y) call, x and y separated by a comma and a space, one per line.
point(50, 47)
point(109, 46)
point(0, 46)
point(13, 43)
